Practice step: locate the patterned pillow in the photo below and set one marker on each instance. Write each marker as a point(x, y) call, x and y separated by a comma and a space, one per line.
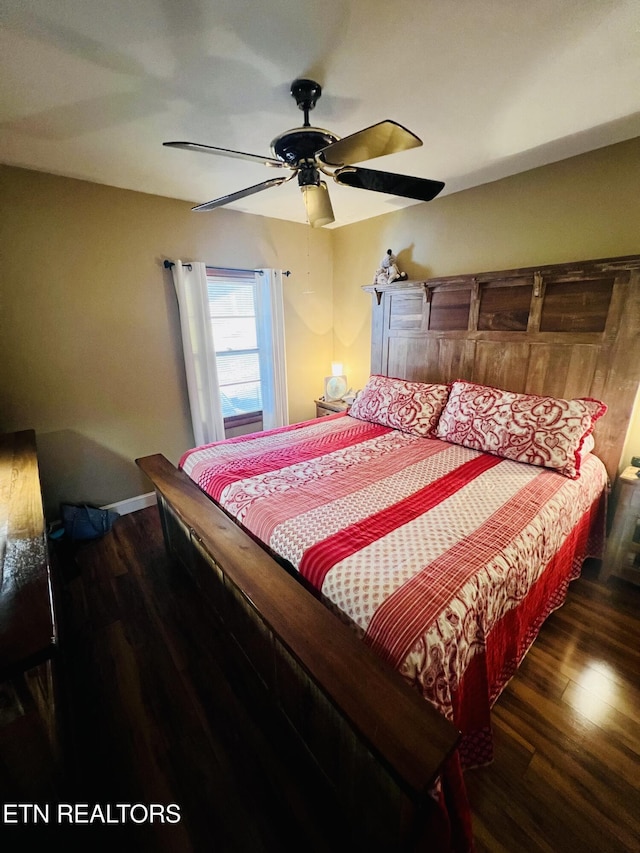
point(413, 407)
point(539, 430)
point(587, 446)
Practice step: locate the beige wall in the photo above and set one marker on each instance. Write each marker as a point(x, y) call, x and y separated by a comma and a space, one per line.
point(89, 342)
point(581, 208)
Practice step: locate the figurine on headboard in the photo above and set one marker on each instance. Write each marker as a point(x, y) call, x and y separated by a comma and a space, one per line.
point(388, 270)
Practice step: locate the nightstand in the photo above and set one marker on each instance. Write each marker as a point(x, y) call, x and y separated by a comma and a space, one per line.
point(324, 407)
point(622, 556)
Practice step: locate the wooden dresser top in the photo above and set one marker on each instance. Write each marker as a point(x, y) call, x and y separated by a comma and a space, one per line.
point(27, 622)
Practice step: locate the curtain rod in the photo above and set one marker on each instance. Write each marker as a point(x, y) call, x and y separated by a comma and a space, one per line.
point(169, 264)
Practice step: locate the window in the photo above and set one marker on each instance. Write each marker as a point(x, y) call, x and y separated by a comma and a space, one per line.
point(232, 310)
point(232, 328)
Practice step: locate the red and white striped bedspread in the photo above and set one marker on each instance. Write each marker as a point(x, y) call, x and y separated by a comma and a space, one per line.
point(445, 560)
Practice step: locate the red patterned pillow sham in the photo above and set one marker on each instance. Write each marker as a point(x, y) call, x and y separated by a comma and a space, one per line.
point(539, 430)
point(413, 407)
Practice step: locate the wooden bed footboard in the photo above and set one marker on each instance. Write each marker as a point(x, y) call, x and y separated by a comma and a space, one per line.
point(378, 744)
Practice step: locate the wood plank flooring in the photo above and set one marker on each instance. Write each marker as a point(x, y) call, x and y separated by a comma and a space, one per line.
point(154, 719)
point(566, 776)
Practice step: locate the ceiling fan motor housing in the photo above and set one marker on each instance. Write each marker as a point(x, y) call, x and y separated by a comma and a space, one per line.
point(295, 146)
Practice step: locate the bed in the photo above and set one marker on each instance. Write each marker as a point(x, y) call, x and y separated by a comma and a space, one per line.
point(446, 618)
point(432, 552)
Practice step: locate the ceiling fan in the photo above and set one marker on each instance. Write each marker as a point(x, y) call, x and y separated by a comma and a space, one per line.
point(308, 151)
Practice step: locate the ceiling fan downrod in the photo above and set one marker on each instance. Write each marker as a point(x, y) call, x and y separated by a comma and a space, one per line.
point(306, 92)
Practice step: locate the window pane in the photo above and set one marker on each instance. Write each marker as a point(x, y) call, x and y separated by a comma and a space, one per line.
point(231, 300)
point(234, 333)
point(236, 367)
point(241, 399)
point(232, 313)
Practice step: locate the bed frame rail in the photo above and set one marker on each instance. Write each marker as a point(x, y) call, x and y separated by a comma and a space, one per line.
point(374, 739)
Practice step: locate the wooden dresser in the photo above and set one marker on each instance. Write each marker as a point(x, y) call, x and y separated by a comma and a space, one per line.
point(29, 731)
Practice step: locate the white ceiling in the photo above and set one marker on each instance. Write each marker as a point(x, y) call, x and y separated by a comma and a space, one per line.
point(91, 88)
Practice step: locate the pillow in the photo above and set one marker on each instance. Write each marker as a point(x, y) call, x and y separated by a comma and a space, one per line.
point(587, 446)
point(539, 430)
point(413, 407)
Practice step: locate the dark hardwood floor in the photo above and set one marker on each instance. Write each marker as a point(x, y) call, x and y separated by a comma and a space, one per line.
point(152, 717)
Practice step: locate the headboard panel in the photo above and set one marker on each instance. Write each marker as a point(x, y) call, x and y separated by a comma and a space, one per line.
point(570, 330)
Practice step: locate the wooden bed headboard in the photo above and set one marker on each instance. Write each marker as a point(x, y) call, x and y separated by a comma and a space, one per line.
point(567, 330)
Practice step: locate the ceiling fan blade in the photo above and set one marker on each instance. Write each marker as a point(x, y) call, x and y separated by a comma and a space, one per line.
point(386, 137)
point(422, 189)
point(318, 204)
point(227, 199)
point(226, 152)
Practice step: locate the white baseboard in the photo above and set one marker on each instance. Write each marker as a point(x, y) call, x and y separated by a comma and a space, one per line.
point(133, 504)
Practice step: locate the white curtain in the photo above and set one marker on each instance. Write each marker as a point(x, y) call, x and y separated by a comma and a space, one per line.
point(271, 348)
point(190, 281)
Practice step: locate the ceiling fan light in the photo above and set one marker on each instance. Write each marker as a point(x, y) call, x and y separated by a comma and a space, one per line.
point(318, 204)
